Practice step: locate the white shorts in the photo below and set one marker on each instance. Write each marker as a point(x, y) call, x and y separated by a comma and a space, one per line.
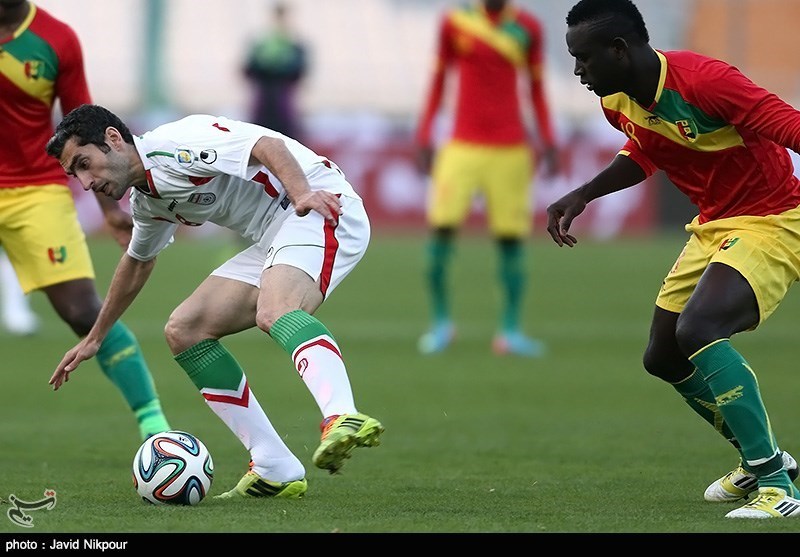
point(325, 253)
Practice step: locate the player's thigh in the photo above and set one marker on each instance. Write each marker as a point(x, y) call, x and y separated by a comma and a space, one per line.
point(43, 237)
point(507, 179)
point(455, 179)
point(219, 306)
point(325, 253)
point(762, 249)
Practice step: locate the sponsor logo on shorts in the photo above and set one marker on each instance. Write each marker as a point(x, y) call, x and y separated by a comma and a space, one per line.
point(57, 254)
point(727, 243)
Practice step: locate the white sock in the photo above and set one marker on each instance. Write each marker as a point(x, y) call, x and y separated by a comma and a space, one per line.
point(320, 364)
point(272, 459)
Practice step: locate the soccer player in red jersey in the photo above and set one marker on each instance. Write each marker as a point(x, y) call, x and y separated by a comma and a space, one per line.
point(41, 61)
point(489, 45)
point(722, 140)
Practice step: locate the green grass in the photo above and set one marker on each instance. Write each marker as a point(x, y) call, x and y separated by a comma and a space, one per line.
point(581, 441)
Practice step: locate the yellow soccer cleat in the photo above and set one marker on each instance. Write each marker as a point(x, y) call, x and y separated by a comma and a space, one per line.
point(253, 485)
point(340, 435)
point(772, 502)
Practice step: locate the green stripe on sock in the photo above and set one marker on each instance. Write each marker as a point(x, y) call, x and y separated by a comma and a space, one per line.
point(121, 360)
point(697, 394)
point(738, 398)
point(210, 366)
point(294, 328)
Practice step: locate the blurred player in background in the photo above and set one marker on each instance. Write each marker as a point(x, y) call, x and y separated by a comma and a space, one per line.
point(18, 316)
point(275, 65)
point(41, 61)
point(722, 141)
point(488, 44)
point(306, 228)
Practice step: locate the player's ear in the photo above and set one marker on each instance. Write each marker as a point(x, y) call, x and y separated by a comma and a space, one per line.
point(114, 138)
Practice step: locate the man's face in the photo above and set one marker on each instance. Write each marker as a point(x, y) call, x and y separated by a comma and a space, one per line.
point(106, 173)
point(601, 66)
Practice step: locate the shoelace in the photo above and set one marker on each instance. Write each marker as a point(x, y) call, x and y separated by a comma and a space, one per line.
point(766, 499)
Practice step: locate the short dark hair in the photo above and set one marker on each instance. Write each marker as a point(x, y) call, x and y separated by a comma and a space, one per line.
point(619, 18)
point(87, 124)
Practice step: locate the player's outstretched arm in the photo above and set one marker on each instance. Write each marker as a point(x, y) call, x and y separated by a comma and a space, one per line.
point(621, 174)
point(84, 350)
point(129, 278)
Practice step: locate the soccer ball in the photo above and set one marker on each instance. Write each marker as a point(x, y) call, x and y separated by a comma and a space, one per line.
point(173, 468)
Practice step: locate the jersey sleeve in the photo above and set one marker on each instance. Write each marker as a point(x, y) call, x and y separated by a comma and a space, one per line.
point(541, 107)
point(150, 235)
point(731, 95)
point(71, 86)
point(216, 145)
point(444, 57)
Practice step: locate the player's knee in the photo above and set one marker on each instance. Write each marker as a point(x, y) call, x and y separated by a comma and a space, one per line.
point(652, 363)
point(693, 333)
point(267, 316)
point(666, 364)
point(80, 319)
point(179, 333)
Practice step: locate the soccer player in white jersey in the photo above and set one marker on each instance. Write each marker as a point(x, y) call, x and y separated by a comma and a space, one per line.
point(308, 229)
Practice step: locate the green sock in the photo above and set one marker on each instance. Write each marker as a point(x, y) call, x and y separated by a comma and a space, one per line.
point(512, 282)
point(121, 359)
point(439, 251)
point(294, 328)
point(738, 399)
point(210, 366)
point(698, 396)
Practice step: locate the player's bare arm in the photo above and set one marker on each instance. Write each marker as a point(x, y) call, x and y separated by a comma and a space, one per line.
point(621, 174)
point(273, 153)
point(129, 278)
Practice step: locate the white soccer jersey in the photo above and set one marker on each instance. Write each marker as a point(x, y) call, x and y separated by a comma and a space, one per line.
point(199, 170)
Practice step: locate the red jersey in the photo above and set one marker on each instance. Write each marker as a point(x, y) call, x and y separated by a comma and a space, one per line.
point(720, 138)
point(488, 50)
point(39, 62)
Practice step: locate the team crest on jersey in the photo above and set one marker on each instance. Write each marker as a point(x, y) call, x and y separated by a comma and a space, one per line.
point(208, 156)
point(33, 69)
point(206, 198)
point(184, 156)
point(687, 129)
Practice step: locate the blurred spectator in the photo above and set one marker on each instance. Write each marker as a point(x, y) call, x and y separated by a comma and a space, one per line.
point(275, 65)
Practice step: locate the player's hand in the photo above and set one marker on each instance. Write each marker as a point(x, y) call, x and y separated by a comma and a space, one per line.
point(120, 224)
point(323, 202)
point(84, 350)
point(560, 215)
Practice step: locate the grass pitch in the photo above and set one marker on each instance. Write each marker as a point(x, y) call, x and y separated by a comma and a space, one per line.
point(581, 441)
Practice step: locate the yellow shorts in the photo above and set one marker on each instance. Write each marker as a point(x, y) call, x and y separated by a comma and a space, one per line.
point(763, 249)
point(40, 231)
point(503, 175)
